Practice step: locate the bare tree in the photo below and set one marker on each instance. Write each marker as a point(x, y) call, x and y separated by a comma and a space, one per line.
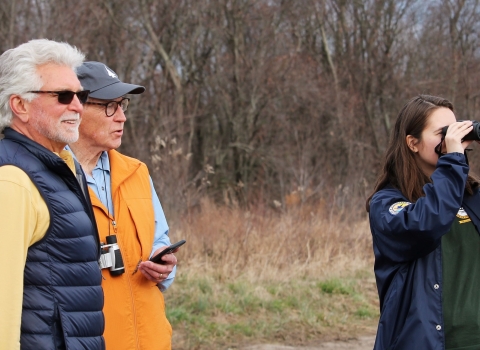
point(249, 101)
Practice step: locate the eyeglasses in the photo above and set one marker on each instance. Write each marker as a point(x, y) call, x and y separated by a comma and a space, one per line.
point(112, 106)
point(66, 97)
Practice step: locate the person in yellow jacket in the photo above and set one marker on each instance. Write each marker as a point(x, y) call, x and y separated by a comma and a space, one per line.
point(127, 207)
point(50, 289)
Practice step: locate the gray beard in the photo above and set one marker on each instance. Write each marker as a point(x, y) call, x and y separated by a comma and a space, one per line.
point(53, 131)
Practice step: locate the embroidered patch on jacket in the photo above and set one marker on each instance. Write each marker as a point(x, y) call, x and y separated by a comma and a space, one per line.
point(398, 207)
point(463, 216)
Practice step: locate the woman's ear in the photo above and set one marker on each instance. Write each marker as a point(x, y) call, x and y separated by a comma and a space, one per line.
point(412, 143)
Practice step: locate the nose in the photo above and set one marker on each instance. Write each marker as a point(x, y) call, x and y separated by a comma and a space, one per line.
point(119, 115)
point(75, 105)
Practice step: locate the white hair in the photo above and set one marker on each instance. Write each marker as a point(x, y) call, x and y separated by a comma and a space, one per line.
point(18, 70)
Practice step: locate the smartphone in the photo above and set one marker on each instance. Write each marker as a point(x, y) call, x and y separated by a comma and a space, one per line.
point(157, 259)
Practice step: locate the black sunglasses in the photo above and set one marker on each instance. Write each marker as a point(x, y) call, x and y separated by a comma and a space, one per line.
point(66, 97)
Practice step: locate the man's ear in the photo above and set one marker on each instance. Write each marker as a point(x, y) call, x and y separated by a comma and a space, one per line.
point(412, 143)
point(19, 108)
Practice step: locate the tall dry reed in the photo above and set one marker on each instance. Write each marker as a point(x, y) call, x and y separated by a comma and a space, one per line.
point(257, 245)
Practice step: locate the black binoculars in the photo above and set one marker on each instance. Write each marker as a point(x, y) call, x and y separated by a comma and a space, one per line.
point(473, 135)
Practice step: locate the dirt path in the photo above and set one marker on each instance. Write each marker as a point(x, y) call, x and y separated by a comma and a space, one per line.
point(362, 343)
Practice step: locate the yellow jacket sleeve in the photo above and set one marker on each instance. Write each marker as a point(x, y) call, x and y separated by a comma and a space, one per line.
point(24, 220)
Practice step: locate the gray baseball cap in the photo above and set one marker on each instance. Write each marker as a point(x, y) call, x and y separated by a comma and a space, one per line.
point(103, 82)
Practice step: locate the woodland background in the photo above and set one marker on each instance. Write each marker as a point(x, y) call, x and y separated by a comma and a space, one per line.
point(266, 102)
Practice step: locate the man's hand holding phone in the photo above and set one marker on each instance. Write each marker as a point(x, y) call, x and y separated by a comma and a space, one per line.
point(161, 264)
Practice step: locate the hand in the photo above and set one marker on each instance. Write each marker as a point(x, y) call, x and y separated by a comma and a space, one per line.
point(455, 133)
point(158, 272)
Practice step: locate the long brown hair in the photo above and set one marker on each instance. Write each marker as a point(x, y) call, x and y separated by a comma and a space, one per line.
point(400, 169)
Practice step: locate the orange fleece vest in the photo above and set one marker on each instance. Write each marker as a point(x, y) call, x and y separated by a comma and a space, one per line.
point(134, 307)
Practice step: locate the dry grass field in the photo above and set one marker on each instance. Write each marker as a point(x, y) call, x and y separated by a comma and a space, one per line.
point(295, 277)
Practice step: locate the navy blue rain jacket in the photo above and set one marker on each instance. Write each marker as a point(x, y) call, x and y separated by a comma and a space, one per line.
point(408, 255)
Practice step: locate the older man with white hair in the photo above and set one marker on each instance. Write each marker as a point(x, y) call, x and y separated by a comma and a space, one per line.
point(51, 295)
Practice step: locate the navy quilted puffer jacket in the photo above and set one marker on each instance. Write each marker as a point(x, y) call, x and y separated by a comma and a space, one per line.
point(63, 297)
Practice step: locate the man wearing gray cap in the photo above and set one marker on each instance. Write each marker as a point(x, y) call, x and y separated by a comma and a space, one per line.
point(128, 213)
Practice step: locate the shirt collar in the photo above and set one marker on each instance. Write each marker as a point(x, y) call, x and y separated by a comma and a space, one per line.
point(103, 162)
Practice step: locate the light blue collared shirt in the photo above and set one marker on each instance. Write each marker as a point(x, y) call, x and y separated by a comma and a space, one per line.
point(100, 183)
